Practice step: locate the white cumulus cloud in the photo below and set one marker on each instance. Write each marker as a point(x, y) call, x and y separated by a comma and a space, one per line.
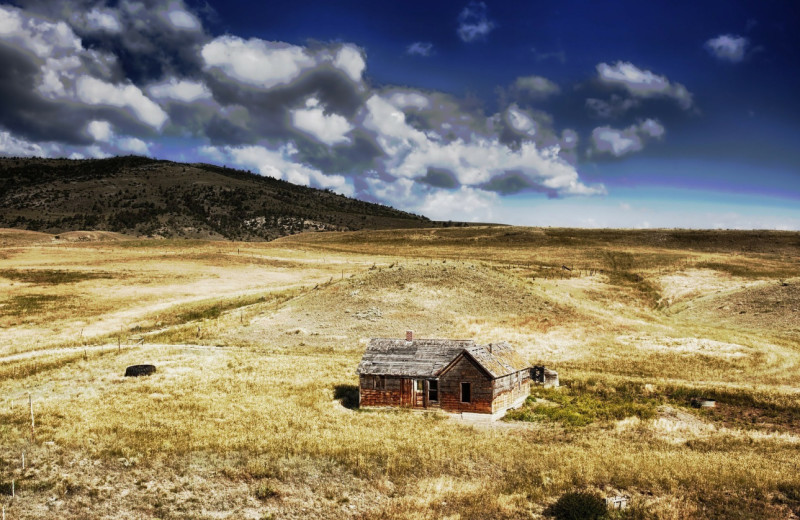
point(133, 144)
point(256, 62)
point(182, 19)
point(279, 164)
point(100, 130)
point(267, 64)
point(728, 47)
point(351, 61)
point(643, 83)
point(93, 91)
point(104, 20)
point(474, 162)
point(14, 147)
point(618, 142)
point(45, 39)
point(180, 90)
point(330, 129)
point(535, 87)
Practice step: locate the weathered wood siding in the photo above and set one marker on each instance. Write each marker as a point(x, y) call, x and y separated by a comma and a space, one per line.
point(465, 371)
point(508, 389)
point(391, 395)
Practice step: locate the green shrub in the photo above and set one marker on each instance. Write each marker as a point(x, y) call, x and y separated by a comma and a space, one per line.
point(265, 491)
point(578, 505)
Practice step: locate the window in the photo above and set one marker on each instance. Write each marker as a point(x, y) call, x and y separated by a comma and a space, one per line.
point(418, 386)
point(466, 393)
point(375, 382)
point(433, 390)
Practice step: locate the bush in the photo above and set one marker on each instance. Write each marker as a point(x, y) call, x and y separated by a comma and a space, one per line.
point(580, 505)
point(265, 491)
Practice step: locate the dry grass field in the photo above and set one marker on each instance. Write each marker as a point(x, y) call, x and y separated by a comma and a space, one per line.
point(252, 411)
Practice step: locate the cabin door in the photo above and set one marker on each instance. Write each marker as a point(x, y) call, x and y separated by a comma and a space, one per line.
point(418, 393)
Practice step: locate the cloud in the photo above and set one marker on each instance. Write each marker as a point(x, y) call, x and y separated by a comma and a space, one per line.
point(179, 90)
point(266, 64)
point(11, 146)
point(93, 91)
point(629, 140)
point(411, 153)
point(420, 49)
point(155, 38)
point(350, 60)
point(182, 19)
point(474, 23)
point(100, 130)
point(464, 204)
point(534, 87)
point(104, 20)
point(330, 129)
point(279, 164)
point(614, 107)
point(43, 38)
point(728, 47)
point(134, 144)
point(643, 83)
point(134, 72)
point(520, 121)
point(256, 62)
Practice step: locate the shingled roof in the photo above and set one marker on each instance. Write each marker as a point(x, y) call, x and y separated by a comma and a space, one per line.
point(417, 358)
point(499, 359)
point(428, 357)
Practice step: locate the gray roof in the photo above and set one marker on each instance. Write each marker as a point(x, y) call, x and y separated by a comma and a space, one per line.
point(499, 359)
point(428, 357)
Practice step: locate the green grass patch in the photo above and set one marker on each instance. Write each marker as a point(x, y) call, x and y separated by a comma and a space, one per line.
point(755, 272)
point(580, 403)
point(51, 276)
point(28, 304)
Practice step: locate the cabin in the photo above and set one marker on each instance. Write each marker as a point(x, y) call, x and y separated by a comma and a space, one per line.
point(453, 375)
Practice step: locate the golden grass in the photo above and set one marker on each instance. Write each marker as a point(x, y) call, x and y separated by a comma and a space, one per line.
point(250, 413)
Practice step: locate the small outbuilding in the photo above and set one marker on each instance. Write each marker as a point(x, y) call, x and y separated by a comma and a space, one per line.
point(452, 375)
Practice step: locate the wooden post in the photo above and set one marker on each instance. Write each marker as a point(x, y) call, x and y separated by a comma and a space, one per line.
point(23, 460)
point(13, 488)
point(33, 424)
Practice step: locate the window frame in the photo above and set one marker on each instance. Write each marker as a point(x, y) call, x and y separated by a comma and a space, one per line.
point(468, 386)
point(433, 391)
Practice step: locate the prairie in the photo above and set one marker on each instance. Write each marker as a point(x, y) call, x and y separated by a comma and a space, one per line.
point(252, 412)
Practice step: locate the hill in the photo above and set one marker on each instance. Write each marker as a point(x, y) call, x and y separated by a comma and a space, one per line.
point(152, 198)
point(253, 409)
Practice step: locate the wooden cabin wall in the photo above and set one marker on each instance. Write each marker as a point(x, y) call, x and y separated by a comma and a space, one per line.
point(390, 396)
point(465, 370)
point(508, 389)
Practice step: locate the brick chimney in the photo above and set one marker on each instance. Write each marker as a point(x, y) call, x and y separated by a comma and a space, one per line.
point(409, 335)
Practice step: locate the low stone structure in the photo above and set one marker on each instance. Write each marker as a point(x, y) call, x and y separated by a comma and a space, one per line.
point(544, 376)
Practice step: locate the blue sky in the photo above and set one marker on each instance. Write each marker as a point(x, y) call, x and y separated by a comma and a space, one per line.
point(568, 113)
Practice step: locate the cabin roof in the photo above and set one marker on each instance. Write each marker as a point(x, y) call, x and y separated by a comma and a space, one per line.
point(428, 357)
point(498, 359)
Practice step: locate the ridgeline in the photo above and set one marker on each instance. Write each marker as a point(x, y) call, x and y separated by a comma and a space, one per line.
point(153, 198)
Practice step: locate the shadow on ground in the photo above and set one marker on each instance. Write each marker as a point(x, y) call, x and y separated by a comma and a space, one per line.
point(347, 394)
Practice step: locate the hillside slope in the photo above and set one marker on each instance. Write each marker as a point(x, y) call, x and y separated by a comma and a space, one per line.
point(146, 197)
